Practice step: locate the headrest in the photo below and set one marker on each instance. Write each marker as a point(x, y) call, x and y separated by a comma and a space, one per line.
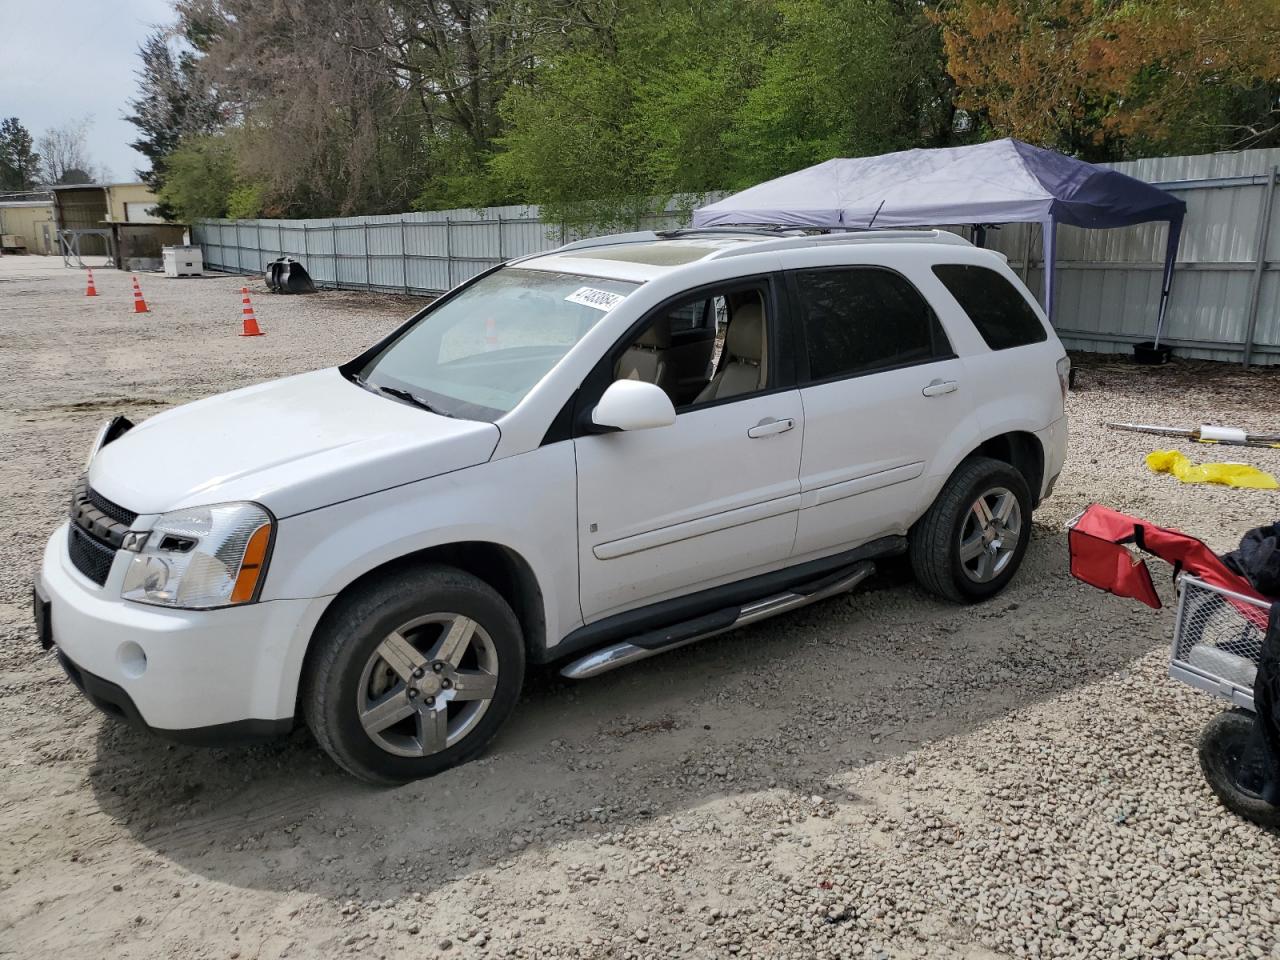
point(745, 339)
point(658, 336)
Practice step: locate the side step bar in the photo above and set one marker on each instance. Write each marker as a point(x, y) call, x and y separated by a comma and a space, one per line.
point(681, 634)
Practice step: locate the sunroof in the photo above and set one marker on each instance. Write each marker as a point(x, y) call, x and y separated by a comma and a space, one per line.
point(669, 253)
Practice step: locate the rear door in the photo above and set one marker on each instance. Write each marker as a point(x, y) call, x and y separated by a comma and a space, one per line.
point(882, 391)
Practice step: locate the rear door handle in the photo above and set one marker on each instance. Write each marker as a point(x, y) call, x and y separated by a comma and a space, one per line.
point(769, 427)
point(937, 388)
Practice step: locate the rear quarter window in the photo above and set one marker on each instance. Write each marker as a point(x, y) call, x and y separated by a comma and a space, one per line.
point(997, 308)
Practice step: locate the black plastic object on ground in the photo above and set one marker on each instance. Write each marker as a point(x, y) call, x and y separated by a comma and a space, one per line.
point(287, 275)
point(1150, 355)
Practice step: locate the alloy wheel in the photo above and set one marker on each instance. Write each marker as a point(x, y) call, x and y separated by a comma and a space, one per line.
point(989, 535)
point(427, 684)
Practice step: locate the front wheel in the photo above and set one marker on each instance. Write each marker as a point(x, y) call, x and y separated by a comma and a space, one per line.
point(970, 543)
point(413, 674)
point(1234, 760)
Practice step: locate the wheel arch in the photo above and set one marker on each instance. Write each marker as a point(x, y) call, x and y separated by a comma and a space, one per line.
point(1020, 449)
point(501, 567)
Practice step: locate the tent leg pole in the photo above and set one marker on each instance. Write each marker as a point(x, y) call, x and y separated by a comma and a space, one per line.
point(1259, 265)
point(1050, 259)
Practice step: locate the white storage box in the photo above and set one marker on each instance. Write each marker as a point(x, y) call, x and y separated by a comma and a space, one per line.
point(183, 262)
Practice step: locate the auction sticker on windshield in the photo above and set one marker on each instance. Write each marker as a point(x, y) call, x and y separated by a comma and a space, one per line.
point(600, 299)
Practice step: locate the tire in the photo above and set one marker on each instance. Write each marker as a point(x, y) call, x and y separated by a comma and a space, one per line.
point(935, 542)
point(412, 674)
point(1233, 760)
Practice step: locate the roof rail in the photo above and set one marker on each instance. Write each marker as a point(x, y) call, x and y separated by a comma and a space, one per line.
point(762, 230)
point(859, 236)
point(769, 238)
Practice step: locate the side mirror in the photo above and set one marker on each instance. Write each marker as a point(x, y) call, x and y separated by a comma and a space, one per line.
point(633, 405)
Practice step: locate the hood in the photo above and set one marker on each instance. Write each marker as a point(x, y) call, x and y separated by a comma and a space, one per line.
point(292, 445)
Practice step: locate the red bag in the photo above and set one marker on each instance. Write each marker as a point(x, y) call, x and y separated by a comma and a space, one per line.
point(1110, 566)
point(1100, 557)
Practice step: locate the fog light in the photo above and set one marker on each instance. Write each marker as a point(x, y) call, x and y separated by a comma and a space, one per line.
point(132, 659)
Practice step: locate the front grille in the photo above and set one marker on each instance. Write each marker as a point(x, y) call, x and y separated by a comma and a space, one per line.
point(113, 510)
point(89, 556)
point(98, 528)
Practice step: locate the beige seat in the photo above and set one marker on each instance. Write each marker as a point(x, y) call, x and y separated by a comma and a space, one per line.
point(742, 368)
point(646, 358)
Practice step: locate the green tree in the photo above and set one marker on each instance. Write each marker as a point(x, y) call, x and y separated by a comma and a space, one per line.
point(200, 178)
point(19, 164)
point(606, 131)
point(826, 90)
point(173, 102)
point(570, 146)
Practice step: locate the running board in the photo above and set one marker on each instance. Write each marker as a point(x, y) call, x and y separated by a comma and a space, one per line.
point(681, 634)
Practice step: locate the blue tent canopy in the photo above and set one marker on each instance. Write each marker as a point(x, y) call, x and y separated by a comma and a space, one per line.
point(1003, 181)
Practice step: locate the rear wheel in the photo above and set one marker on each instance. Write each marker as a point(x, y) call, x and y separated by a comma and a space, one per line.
point(970, 543)
point(413, 674)
point(1234, 761)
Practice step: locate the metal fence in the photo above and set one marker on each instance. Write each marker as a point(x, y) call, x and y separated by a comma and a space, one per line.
point(1226, 293)
point(420, 253)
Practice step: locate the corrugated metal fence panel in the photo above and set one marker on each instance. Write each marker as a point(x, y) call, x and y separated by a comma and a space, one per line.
point(1267, 333)
point(1108, 280)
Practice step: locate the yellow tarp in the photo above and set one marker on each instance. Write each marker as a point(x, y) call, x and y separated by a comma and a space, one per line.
point(1230, 474)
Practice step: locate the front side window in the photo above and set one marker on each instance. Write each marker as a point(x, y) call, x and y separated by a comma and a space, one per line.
point(728, 359)
point(861, 319)
point(478, 354)
point(1001, 314)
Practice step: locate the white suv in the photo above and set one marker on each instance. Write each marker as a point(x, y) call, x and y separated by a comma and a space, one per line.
point(584, 457)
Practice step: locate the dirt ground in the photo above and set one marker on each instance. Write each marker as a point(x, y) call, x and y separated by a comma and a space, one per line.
point(880, 775)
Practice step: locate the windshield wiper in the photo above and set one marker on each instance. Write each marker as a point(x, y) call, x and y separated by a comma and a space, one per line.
point(409, 397)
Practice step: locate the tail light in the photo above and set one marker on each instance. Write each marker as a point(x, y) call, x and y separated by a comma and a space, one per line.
point(1064, 379)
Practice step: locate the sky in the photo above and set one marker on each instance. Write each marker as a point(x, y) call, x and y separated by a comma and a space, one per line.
point(65, 59)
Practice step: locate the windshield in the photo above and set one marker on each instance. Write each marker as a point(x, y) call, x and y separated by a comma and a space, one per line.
point(478, 354)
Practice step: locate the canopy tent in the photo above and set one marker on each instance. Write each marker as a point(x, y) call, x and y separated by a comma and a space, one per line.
point(1003, 181)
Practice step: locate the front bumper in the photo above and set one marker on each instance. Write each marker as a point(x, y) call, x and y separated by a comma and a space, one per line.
point(115, 702)
point(180, 673)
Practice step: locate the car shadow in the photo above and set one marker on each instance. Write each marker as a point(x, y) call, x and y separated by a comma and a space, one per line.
point(801, 702)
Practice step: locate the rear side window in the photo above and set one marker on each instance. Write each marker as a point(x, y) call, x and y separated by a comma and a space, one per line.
point(1001, 314)
point(861, 319)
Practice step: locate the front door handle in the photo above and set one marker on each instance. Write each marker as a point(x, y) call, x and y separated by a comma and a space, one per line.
point(769, 427)
point(937, 388)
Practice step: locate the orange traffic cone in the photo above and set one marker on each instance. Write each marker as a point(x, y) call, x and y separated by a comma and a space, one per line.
point(91, 290)
point(139, 305)
point(250, 321)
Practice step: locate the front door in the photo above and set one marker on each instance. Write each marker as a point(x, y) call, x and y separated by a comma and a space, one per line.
point(711, 498)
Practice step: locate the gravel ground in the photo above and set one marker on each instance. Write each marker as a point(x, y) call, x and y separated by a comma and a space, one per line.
point(880, 775)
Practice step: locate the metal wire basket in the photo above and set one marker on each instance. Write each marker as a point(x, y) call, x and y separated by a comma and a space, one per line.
point(1217, 640)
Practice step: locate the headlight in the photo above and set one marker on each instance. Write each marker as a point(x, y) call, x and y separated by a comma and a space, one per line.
point(202, 557)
